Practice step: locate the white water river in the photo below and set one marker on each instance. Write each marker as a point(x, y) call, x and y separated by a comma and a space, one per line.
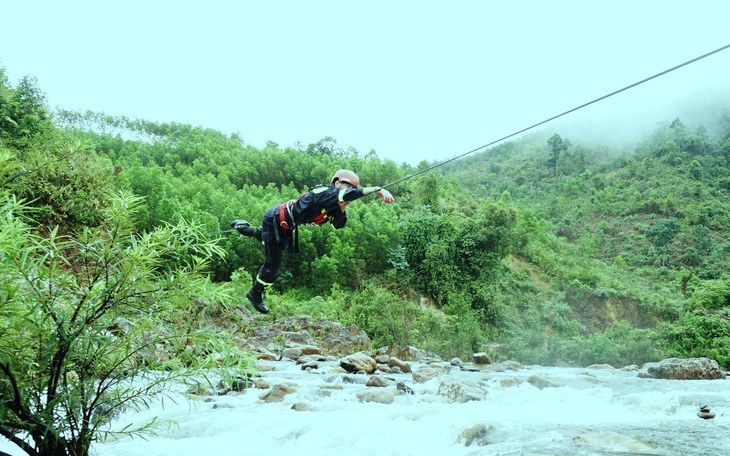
point(590, 412)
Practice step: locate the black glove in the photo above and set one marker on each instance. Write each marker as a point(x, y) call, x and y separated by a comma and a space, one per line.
point(244, 228)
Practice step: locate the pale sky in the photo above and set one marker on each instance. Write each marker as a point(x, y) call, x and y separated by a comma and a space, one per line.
point(413, 80)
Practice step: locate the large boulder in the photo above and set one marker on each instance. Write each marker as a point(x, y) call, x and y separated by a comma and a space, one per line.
point(684, 369)
point(460, 391)
point(358, 362)
point(426, 373)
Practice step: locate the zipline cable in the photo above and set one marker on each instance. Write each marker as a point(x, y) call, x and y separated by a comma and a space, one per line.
point(560, 115)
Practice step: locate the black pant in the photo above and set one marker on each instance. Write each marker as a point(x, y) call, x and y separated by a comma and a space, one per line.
point(275, 240)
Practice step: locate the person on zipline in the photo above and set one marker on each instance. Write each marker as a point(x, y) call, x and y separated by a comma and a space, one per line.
point(324, 203)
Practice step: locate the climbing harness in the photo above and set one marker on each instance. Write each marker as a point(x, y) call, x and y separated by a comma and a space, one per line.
point(560, 115)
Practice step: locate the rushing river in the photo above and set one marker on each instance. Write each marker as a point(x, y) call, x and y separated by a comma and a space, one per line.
point(584, 412)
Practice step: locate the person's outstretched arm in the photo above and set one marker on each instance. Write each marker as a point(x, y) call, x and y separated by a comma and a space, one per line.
point(383, 193)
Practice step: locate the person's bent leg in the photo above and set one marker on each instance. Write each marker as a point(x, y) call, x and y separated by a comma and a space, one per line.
point(267, 276)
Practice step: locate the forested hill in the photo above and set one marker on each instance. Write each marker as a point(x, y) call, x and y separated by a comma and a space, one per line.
point(659, 209)
point(540, 249)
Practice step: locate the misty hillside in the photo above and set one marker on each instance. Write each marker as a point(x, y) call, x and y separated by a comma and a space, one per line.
point(665, 202)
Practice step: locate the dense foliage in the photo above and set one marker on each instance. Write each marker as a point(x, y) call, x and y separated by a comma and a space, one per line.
point(95, 317)
point(544, 249)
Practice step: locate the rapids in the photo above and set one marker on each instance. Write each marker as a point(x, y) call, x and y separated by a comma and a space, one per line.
point(588, 412)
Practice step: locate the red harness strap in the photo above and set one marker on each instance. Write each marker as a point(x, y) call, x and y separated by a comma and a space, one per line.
point(283, 208)
point(320, 219)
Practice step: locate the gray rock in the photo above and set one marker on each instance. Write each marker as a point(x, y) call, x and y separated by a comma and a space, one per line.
point(301, 407)
point(705, 413)
point(291, 353)
point(482, 358)
point(382, 359)
point(379, 381)
point(684, 369)
point(310, 350)
point(457, 362)
point(403, 366)
point(460, 392)
point(222, 406)
point(278, 392)
point(358, 362)
point(480, 435)
point(541, 382)
point(378, 395)
point(355, 379)
point(403, 388)
point(426, 373)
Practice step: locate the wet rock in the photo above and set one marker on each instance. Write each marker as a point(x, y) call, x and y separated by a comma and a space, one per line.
point(358, 362)
point(480, 435)
point(265, 367)
point(457, 362)
point(354, 379)
point(705, 412)
point(331, 387)
point(310, 350)
point(263, 354)
point(379, 381)
point(239, 383)
point(541, 382)
point(310, 362)
point(614, 441)
point(199, 391)
point(600, 366)
point(291, 353)
point(382, 359)
point(426, 373)
point(509, 382)
point(311, 358)
point(222, 406)
point(684, 369)
point(396, 363)
point(278, 392)
point(481, 358)
point(301, 407)
point(403, 388)
point(379, 395)
point(310, 366)
point(337, 370)
point(262, 384)
point(456, 391)
point(383, 369)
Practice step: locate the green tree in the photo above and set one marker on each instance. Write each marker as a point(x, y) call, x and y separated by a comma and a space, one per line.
point(23, 112)
point(557, 146)
point(66, 365)
point(662, 233)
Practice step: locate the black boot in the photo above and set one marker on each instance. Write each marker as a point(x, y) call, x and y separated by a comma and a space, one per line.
point(255, 295)
point(244, 228)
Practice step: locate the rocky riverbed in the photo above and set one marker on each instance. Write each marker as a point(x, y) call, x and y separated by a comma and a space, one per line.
point(322, 389)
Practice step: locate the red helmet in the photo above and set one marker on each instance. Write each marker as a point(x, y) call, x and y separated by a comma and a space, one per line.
point(345, 175)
